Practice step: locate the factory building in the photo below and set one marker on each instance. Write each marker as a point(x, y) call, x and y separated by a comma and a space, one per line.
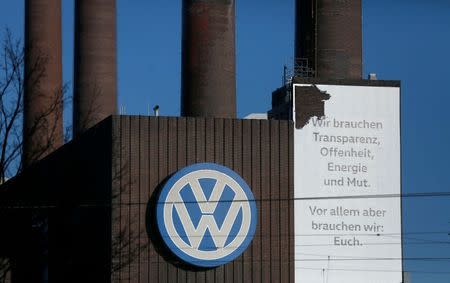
point(101, 208)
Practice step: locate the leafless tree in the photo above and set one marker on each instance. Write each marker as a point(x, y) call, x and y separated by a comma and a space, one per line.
point(4, 270)
point(126, 243)
point(12, 88)
point(11, 104)
point(11, 109)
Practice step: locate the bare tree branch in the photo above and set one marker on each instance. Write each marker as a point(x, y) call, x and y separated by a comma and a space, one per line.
point(12, 88)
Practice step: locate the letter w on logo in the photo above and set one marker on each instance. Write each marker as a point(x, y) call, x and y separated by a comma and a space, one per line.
point(207, 221)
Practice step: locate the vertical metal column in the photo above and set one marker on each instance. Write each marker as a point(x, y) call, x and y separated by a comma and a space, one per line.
point(208, 83)
point(95, 74)
point(42, 125)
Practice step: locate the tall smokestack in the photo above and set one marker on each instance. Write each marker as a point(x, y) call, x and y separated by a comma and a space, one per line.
point(208, 83)
point(329, 37)
point(42, 125)
point(95, 77)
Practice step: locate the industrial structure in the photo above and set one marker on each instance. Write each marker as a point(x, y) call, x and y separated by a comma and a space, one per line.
point(43, 124)
point(95, 70)
point(208, 79)
point(328, 39)
point(95, 197)
point(328, 46)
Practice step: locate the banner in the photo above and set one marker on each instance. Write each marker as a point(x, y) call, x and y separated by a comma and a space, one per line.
point(347, 184)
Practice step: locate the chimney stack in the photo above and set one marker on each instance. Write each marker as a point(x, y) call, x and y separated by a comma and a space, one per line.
point(208, 83)
point(329, 37)
point(42, 125)
point(95, 74)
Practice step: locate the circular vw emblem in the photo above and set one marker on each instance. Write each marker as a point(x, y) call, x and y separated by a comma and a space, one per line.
point(206, 214)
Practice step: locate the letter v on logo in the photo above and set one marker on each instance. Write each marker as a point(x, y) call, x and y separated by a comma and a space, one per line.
point(206, 214)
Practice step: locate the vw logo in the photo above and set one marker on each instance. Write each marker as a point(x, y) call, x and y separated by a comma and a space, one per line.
point(206, 214)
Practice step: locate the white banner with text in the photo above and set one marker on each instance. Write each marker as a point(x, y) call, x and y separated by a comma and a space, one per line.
point(347, 184)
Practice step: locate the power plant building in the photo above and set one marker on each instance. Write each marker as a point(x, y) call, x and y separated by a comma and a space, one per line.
point(204, 197)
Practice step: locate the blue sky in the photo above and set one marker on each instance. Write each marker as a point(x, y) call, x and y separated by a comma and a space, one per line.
point(403, 40)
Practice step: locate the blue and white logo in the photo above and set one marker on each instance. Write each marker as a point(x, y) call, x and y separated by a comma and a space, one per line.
point(206, 214)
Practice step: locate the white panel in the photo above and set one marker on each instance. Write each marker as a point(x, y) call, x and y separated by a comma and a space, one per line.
point(354, 151)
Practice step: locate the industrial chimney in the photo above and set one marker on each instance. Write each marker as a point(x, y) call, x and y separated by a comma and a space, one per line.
point(42, 125)
point(329, 38)
point(95, 74)
point(208, 83)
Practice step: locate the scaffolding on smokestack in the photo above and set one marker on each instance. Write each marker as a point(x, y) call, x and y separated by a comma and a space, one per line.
point(328, 46)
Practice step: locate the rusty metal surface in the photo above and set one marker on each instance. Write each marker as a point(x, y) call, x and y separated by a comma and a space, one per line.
point(208, 59)
point(43, 129)
point(95, 73)
point(333, 30)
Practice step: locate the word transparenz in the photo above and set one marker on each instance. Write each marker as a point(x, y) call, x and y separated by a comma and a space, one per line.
point(345, 139)
point(206, 214)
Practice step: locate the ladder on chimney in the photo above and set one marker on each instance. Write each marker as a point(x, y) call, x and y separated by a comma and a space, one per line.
point(302, 68)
